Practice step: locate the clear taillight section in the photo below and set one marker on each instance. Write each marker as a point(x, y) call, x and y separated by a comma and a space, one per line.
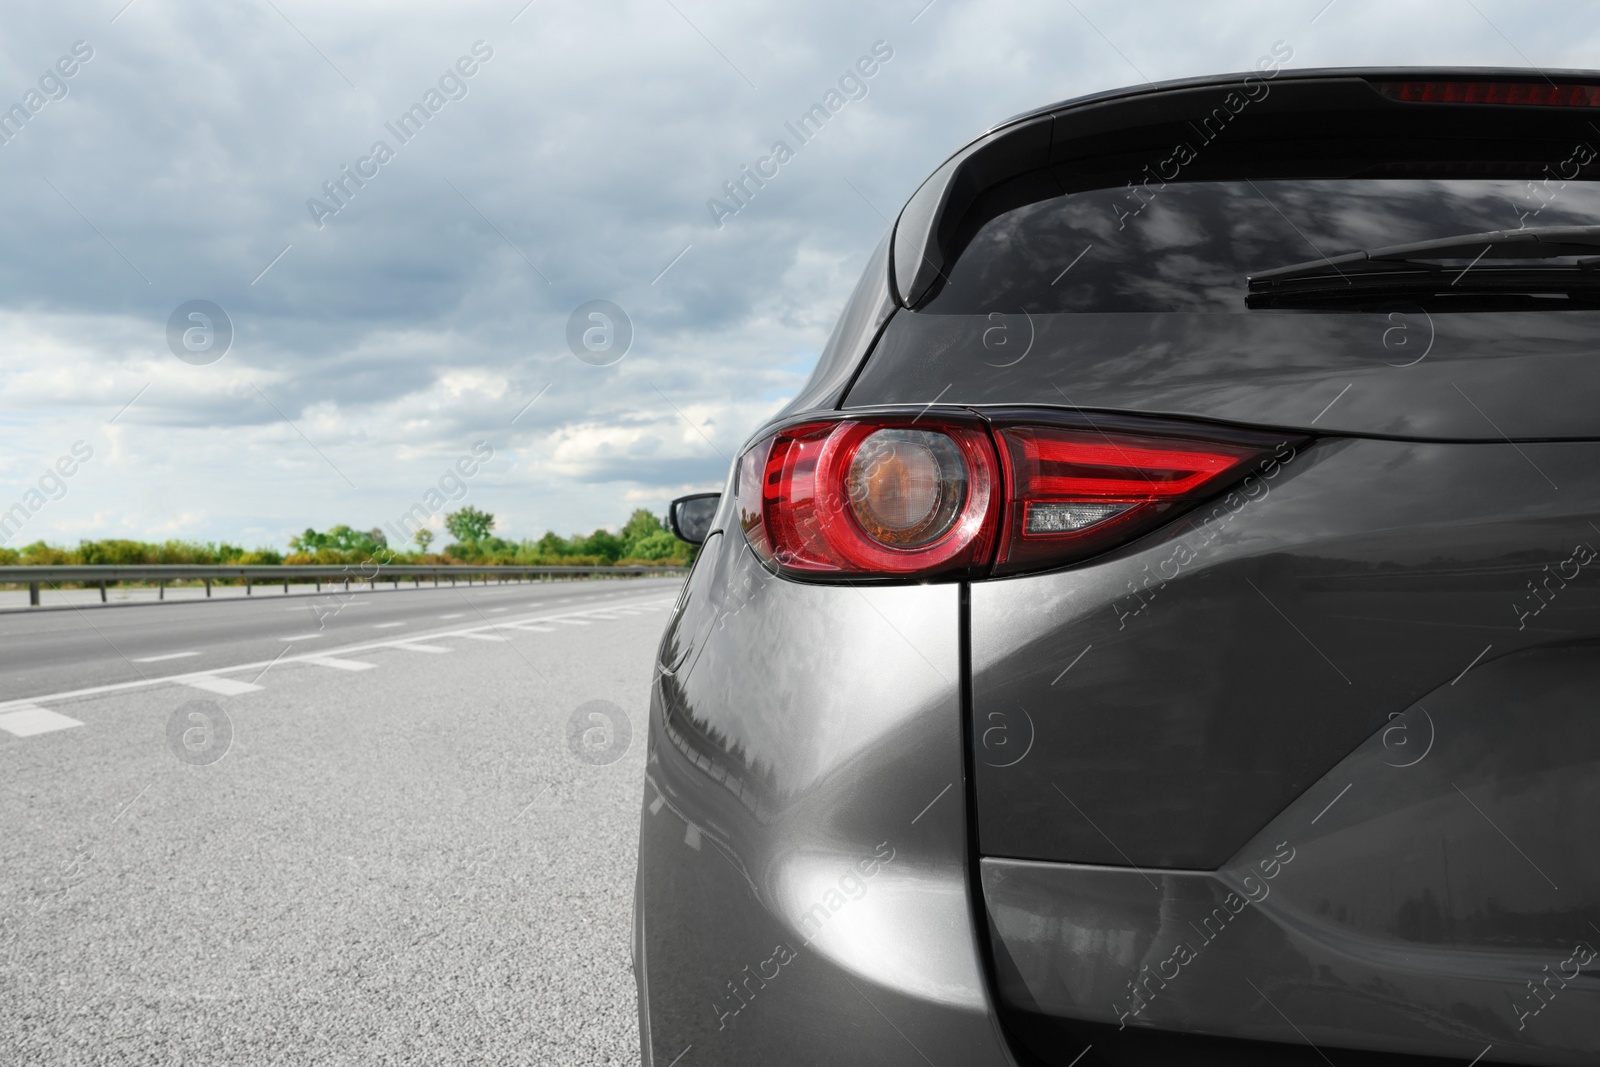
point(953, 496)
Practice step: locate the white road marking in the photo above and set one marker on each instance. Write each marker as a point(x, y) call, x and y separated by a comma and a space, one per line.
point(573, 622)
point(457, 615)
point(483, 637)
point(228, 687)
point(169, 655)
point(422, 648)
point(499, 609)
point(387, 625)
point(536, 629)
point(301, 637)
point(28, 720)
point(210, 674)
point(343, 664)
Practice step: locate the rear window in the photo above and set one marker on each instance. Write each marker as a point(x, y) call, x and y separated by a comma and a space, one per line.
point(1190, 247)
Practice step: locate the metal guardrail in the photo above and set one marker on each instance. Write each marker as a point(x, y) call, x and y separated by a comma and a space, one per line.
point(268, 574)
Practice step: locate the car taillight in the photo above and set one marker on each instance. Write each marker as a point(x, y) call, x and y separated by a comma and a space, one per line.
point(1527, 94)
point(889, 497)
point(1072, 492)
point(893, 496)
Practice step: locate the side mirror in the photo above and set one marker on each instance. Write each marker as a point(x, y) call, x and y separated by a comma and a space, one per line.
point(689, 517)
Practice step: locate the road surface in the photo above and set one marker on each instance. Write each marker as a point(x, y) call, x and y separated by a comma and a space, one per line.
point(398, 828)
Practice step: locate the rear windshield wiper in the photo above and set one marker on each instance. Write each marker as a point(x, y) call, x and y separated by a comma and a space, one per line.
point(1496, 268)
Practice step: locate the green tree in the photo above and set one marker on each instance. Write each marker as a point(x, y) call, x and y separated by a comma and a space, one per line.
point(40, 554)
point(602, 543)
point(552, 546)
point(114, 551)
point(658, 545)
point(640, 525)
point(469, 524)
point(644, 537)
point(340, 538)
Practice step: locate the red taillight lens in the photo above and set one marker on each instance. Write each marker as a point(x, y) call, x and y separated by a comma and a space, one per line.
point(953, 496)
point(1531, 94)
point(863, 498)
point(1072, 492)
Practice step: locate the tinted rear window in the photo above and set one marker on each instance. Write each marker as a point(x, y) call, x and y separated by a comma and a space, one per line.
point(1191, 247)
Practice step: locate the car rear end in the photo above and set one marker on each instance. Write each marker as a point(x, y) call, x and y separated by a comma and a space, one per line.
point(1157, 633)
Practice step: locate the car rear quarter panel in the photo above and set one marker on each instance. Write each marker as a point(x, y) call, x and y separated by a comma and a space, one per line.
point(803, 891)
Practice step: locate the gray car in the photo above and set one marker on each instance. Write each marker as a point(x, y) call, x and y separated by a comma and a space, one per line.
point(1165, 627)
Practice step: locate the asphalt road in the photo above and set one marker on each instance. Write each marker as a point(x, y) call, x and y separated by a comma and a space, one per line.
point(407, 839)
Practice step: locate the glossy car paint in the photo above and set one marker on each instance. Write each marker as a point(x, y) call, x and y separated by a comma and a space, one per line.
point(1381, 909)
point(1315, 763)
point(1398, 627)
point(1184, 691)
point(803, 866)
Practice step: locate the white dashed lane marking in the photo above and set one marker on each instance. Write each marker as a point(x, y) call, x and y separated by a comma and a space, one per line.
point(387, 625)
point(300, 637)
point(343, 664)
point(228, 687)
point(25, 718)
point(457, 615)
point(27, 721)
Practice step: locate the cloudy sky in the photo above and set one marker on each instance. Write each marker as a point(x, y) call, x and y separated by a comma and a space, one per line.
point(379, 334)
